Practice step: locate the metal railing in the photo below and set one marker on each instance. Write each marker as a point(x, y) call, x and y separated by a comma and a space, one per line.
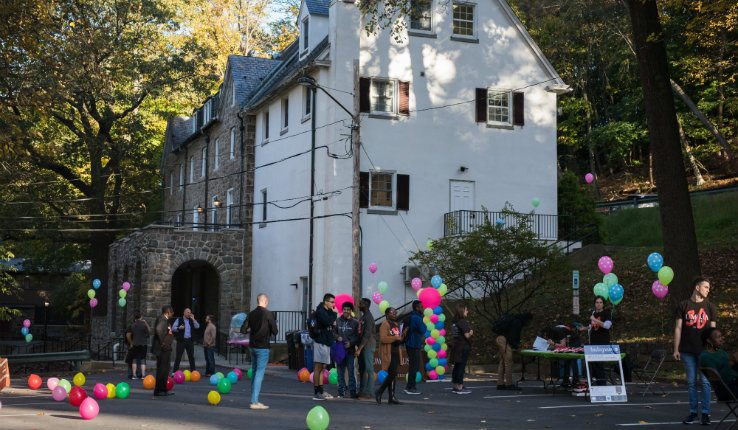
point(64, 345)
point(649, 200)
point(288, 321)
point(546, 227)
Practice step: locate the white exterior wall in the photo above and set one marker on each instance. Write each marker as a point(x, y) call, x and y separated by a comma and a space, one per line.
point(512, 165)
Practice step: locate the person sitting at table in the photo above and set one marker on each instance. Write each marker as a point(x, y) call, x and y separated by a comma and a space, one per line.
point(563, 336)
point(726, 365)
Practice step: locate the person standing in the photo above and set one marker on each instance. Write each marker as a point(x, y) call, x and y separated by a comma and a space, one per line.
point(260, 323)
point(208, 345)
point(693, 316)
point(365, 351)
point(139, 339)
point(183, 329)
point(390, 339)
point(600, 323)
point(161, 347)
point(508, 328)
point(347, 335)
point(462, 347)
point(413, 345)
point(325, 319)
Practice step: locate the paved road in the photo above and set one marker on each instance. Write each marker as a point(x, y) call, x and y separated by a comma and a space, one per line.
point(290, 400)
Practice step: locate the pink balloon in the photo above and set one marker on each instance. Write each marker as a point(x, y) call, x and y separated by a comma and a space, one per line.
point(89, 408)
point(589, 178)
point(659, 290)
point(239, 373)
point(605, 264)
point(59, 393)
point(126, 286)
point(433, 374)
point(325, 377)
point(51, 383)
point(416, 283)
point(434, 318)
point(179, 377)
point(311, 377)
point(441, 354)
point(26, 323)
point(100, 391)
point(430, 340)
point(341, 299)
point(373, 267)
point(430, 297)
point(377, 297)
point(93, 303)
point(442, 332)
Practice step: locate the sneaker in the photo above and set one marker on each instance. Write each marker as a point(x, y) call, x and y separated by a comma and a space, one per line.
point(327, 396)
point(258, 405)
point(706, 420)
point(691, 419)
point(412, 392)
point(341, 396)
point(462, 391)
point(318, 396)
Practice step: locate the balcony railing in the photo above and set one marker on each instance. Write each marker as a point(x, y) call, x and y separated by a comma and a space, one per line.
point(546, 227)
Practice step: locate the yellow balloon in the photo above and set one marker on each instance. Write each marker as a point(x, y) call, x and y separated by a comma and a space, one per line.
point(111, 391)
point(187, 375)
point(79, 379)
point(214, 397)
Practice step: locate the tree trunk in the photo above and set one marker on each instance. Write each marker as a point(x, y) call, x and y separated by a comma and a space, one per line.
point(692, 162)
point(677, 223)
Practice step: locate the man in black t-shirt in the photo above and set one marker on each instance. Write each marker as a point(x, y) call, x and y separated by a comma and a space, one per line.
point(262, 326)
point(693, 316)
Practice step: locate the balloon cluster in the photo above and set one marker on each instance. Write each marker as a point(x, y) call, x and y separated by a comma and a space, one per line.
point(377, 296)
point(26, 330)
point(609, 288)
point(61, 389)
point(122, 294)
point(660, 287)
point(435, 334)
point(222, 382)
point(91, 292)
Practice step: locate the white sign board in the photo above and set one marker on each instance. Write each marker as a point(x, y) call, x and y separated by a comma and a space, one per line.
point(604, 393)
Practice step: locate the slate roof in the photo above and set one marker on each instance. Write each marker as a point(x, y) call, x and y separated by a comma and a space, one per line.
point(180, 128)
point(318, 7)
point(247, 74)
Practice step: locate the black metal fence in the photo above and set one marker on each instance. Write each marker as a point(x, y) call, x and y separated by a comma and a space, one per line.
point(73, 344)
point(288, 321)
point(546, 227)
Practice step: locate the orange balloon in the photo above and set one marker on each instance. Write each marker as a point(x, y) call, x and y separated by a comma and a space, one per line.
point(304, 375)
point(195, 376)
point(149, 382)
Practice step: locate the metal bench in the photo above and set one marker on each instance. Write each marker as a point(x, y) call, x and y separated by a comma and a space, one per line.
point(75, 357)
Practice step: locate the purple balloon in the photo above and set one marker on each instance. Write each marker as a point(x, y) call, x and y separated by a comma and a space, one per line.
point(589, 178)
point(93, 303)
point(126, 286)
point(26, 323)
point(59, 393)
point(659, 290)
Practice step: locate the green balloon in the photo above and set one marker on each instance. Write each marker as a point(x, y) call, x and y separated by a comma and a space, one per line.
point(442, 290)
point(220, 375)
point(121, 302)
point(666, 274)
point(432, 353)
point(427, 348)
point(67, 386)
point(334, 370)
point(29, 337)
point(122, 390)
point(428, 312)
point(333, 378)
point(442, 317)
point(383, 305)
point(317, 418)
point(535, 202)
point(601, 289)
point(433, 362)
point(382, 287)
point(121, 293)
point(430, 326)
point(250, 373)
point(434, 334)
point(224, 386)
point(610, 279)
point(91, 293)
point(441, 340)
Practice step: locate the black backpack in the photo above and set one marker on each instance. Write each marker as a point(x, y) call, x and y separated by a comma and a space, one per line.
point(312, 325)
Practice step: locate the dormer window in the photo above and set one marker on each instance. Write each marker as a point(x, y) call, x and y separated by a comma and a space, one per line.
point(206, 112)
point(304, 33)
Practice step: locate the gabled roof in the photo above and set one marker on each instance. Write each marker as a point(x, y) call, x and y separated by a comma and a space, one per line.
point(318, 7)
point(248, 73)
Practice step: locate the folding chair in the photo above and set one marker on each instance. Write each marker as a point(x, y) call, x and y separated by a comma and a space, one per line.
point(648, 374)
point(724, 394)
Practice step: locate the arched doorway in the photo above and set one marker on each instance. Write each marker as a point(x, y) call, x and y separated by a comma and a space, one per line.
point(196, 285)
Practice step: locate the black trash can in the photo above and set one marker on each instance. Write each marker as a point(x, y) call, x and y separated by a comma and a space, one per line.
point(292, 338)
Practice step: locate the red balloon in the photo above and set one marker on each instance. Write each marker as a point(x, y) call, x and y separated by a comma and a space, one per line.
point(77, 395)
point(430, 297)
point(170, 383)
point(34, 381)
point(341, 299)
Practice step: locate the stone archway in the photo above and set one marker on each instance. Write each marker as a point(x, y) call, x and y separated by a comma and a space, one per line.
point(196, 285)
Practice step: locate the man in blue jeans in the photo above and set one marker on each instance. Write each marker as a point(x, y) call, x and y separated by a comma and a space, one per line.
point(260, 323)
point(347, 333)
point(693, 316)
point(413, 345)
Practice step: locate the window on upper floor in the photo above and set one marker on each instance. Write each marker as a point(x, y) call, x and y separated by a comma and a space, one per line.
point(233, 95)
point(203, 168)
point(464, 20)
point(305, 33)
point(206, 112)
point(384, 97)
point(307, 106)
point(179, 220)
point(285, 114)
point(192, 169)
point(214, 213)
point(384, 191)
point(171, 183)
point(196, 217)
point(181, 176)
point(498, 107)
point(229, 207)
point(232, 151)
point(421, 16)
point(216, 155)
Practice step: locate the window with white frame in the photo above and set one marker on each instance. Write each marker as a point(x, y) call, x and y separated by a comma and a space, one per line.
point(181, 176)
point(232, 152)
point(463, 19)
point(266, 125)
point(307, 107)
point(179, 219)
point(171, 183)
point(203, 170)
point(216, 154)
point(381, 185)
point(206, 112)
point(383, 96)
point(192, 169)
point(498, 106)
point(285, 113)
point(420, 18)
point(229, 206)
point(304, 33)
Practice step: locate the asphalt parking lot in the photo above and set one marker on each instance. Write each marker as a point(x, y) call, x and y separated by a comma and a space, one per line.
point(290, 401)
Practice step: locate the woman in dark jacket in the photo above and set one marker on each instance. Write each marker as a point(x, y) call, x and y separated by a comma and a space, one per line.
point(462, 346)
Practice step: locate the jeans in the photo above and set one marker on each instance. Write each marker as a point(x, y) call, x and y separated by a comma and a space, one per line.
point(209, 359)
point(259, 359)
point(366, 371)
point(458, 374)
point(346, 364)
point(413, 355)
point(690, 366)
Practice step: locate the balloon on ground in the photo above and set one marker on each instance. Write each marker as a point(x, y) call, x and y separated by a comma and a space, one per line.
point(317, 418)
point(89, 408)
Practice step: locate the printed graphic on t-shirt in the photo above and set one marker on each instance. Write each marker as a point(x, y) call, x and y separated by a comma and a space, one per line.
point(700, 319)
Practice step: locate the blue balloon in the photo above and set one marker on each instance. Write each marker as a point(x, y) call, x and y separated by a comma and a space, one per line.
point(442, 362)
point(96, 283)
point(24, 331)
point(439, 325)
point(232, 376)
point(427, 334)
point(655, 261)
point(616, 293)
point(428, 367)
point(214, 379)
point(381, 375)
point(500, 222)
point(436, 346)
point(436, 281)
point(441, 376)
point(438, 310)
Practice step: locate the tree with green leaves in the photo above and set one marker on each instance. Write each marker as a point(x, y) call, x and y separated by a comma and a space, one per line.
point(8, 286)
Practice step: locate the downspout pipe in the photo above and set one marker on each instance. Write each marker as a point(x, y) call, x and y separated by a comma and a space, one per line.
point(240, 187)
point(207, 177)
point(184, 185)
point(312, 201)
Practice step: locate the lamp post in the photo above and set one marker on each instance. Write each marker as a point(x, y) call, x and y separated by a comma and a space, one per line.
point(46, 322)
point(310, 83)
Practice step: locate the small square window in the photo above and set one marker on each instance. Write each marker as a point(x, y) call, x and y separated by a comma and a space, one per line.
point(498, 107)
point(381, 186)
point(420, 18)
point(463, 19)
point(382, 96)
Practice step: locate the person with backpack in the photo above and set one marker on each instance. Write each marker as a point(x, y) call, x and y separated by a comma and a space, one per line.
point(461, 332)
point(324, 323)
point(347, 336)
point(508, 328)
point(413, 345)
point(365, 351)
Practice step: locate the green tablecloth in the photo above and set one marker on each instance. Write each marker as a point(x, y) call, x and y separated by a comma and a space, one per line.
point(550, 355)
